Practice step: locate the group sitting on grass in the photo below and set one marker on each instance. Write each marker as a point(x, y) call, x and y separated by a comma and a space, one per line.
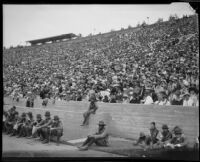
point(25, 125)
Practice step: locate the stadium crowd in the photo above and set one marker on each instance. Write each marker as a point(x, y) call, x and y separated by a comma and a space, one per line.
point(151, 64)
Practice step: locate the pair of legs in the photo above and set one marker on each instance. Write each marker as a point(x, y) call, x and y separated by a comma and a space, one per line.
point(90, 140)
point(47, 134)
point(8, 127)
point(86, 117)
point(28, 130)
point(22, 131)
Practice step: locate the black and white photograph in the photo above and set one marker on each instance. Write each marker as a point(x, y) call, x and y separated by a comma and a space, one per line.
point(101, 81)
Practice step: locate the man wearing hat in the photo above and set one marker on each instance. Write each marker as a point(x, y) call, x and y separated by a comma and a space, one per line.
point(178, 140)
point(10, 119)
point(21, 124)
point(36, 125)
point(165, 137)
point(92, 110)
point(11, 125)
point(100, 138)
point(29, 124)
point(44, 127)
point(56, 129)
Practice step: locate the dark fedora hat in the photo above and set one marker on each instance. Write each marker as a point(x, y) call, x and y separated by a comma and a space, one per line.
point(47, 113)
point(101, 123)
point(142, 134)
point(56, 117)
point(38, 116)
point(177, 130)
point(165, 126)
point(23, 114)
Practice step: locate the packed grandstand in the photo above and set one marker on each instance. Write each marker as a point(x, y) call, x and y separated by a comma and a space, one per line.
point(147, 64)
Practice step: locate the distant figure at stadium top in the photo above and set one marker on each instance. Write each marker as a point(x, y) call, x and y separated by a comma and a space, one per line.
point(120, 66)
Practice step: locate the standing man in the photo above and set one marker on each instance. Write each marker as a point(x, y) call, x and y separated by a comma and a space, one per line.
point(100, 138)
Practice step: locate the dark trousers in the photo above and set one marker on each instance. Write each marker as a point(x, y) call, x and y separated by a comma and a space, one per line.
point(150, 140)
point(28, 130)
point(90, 140)
point(86, 117)
point(46, 133)
point(28, 104)
point(8, 127)
point(22, 130)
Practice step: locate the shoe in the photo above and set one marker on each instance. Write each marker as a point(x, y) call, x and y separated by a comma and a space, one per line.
point(82, 125)
point(83, 148)
point(19, 136)
point(28, 137)
point(13, 134)
point(42, 139)
point(45, 141)
point(7, 133)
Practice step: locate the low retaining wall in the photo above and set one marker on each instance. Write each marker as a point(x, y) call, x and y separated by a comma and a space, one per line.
point(123, 120)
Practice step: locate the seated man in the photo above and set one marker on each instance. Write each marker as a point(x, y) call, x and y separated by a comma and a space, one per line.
point(165, 137)
point(44, 127)
point(100, 138)
point(56, 129)
point(36, 125)
point(5, 116)
point(21, 126)
point(166, 134)
point(10, 120)
point(29, 124)
point(178, 140)
point(13, 124)
point(92, 109)
point(152, 139)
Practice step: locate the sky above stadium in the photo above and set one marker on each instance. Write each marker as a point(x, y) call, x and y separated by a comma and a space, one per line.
point(28, 22)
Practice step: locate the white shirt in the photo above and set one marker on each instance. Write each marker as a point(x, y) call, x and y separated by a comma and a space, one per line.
point(165, 102)
point(148, 100)
point(187, 102)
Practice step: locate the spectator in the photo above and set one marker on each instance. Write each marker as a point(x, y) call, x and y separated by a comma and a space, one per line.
point(147, 98)
point(176, 98)
point(186, 101)
point(162, 99)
